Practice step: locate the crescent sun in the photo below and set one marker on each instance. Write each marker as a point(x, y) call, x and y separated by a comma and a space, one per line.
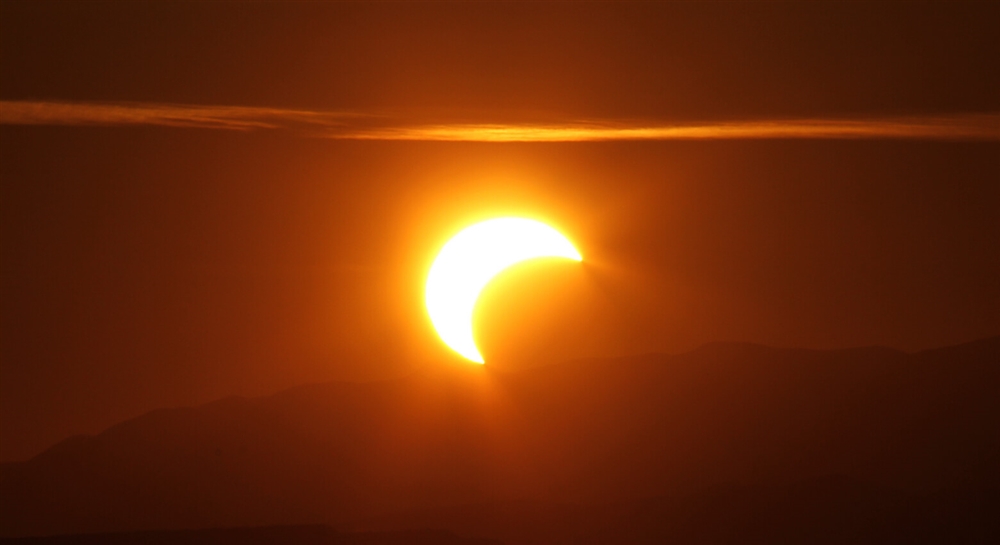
point(468, 262)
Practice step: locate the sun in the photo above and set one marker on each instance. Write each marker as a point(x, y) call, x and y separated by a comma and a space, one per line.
point(467, 263)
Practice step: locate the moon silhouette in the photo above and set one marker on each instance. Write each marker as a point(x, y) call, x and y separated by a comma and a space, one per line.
point(468, 262)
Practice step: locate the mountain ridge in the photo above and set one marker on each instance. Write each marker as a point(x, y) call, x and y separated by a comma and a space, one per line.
point(595, 431)
point(987, 342)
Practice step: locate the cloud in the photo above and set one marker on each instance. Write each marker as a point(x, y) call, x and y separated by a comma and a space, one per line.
point(365, 126)
point(165, 115)
point(966, 127)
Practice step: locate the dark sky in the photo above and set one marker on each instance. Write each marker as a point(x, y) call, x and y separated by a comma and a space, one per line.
point(145, 266)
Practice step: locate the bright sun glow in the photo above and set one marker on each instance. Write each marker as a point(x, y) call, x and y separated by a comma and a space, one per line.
point(471, 259)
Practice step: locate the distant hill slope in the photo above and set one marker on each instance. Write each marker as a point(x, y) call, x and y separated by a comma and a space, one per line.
point(595, 432)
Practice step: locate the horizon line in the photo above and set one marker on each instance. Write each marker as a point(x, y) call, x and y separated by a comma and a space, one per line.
point(352, 125)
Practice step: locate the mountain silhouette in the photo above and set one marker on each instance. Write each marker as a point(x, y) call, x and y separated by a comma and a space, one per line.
point(728, 443)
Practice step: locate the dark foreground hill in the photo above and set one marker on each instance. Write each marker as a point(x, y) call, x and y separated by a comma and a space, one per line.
point(731, 443)
point(269, 535)
point(834, 510)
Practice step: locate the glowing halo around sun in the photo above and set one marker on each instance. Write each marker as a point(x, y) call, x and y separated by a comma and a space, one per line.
point(468, 262)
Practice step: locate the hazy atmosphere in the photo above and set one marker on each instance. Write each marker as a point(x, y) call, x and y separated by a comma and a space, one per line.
point(207, 200)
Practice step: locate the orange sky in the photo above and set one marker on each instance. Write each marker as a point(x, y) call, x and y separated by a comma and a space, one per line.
point(152, 261)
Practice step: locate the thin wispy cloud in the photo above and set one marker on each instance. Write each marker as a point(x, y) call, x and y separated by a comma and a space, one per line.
point(166, 115)
point(369, 126)
point(964, 127)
